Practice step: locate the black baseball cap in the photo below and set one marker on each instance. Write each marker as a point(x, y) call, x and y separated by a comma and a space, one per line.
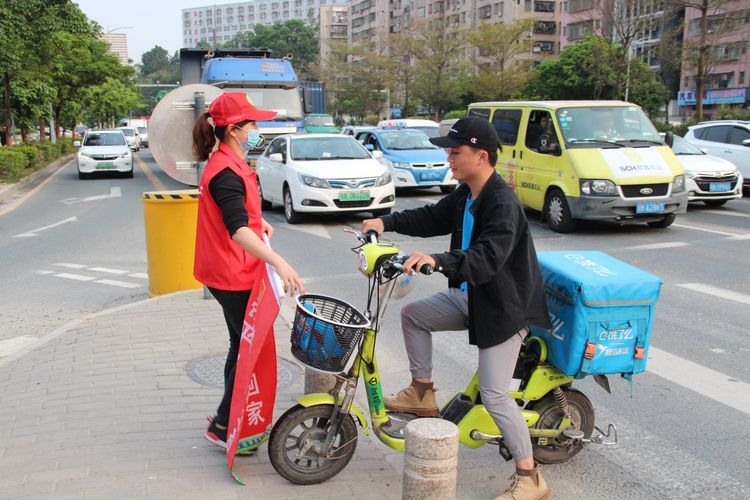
point(473, 131)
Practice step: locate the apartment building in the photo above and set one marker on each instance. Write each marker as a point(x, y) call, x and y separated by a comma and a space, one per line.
point(333, 28)
point(219, 23)
point(728, 65)
point(118, 45)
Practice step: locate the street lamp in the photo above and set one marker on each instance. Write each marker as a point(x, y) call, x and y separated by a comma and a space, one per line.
point(120, 28)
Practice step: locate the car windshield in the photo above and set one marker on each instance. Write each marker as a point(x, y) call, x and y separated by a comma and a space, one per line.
point(327, 148)
point(430, 131)
point(402, 140)
point(682, 147)
point(607, 126)
point(128, 132)
point(142, 130)
point(110, 139)
point(319, 120)
point(285, 102)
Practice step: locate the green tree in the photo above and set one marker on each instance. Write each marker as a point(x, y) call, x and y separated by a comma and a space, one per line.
point(158, 66)
point(438, 64)
point(290, 37)
point(404, 50)
point(107, 102)
point(501, 76)
point(583, 72)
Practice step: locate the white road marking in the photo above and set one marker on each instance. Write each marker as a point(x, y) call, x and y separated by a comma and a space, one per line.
point(318, 230)
point(705, 381)
point(721, 212)
point(10, 346)
point(69, 265)
point(706, 230)
point(33, 233)
point(114, 192)
point(77, 277)
point(43, 272)
point(740, 237)
point(717, 292)
point(121, 284)
point(142, 276)
point(657, 246)
point(107, 270)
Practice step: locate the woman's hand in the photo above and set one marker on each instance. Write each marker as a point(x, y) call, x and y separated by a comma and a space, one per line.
point(290, 279)
point(266, 228)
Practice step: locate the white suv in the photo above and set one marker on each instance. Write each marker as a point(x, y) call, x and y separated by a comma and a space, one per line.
point(728, 139)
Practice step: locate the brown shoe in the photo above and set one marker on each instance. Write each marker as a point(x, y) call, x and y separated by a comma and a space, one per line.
point(408, 401)
point(527, 486)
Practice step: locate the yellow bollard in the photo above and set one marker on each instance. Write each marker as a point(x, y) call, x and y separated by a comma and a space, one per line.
point(170, 218)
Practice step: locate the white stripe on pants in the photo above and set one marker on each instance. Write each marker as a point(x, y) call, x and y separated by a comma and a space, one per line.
point(448, 311)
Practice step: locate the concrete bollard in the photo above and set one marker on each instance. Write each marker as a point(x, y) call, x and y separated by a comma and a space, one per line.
point(316, 381)
point(430, 460)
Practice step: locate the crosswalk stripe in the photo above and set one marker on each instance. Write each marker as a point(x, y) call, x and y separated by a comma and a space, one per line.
point(142, 276)
point(121, 284)
point(107, 270)
point(705, 230)
point(717, 292)
point(657, 246)
point(68, 265)
point(77, 277)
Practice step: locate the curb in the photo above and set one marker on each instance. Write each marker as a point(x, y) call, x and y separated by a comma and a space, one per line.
point(8, 191)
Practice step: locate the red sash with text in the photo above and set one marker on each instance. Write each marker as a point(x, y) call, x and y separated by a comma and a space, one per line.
point(254, 394)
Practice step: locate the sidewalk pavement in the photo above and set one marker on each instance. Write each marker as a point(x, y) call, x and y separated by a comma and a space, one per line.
point(114, 406)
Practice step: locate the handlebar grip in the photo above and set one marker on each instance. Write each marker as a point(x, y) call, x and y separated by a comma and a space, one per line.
point(372, 236)
point(426, 269)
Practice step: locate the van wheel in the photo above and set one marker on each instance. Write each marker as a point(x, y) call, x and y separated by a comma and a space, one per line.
point(292, 216)
point(557, 212)
point(666, 222)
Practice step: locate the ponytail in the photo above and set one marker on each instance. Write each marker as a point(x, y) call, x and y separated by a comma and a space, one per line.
point(203, 138)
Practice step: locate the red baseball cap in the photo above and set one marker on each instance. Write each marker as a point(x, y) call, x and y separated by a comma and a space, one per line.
point(235, 107)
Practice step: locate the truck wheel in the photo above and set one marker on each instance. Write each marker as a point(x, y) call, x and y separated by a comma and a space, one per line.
point(561, 449)
point(557, 212)
point(666, 222)
point(264, 205)
point(292, 216)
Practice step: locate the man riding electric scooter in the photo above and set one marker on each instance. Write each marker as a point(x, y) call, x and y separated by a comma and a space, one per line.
point(495, 289)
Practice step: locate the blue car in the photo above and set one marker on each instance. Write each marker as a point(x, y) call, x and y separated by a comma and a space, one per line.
point(415, 161)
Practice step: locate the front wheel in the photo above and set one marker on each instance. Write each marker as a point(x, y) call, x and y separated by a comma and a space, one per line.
point(292, 216)
point(665, 222)
point(298, 432)
point(557, 212)
point(561, 449)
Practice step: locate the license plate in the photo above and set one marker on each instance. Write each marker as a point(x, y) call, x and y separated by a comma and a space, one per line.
point(650, 207)
point(354, 195)
point(431, 176)
point(716, 187)
point(105, 164)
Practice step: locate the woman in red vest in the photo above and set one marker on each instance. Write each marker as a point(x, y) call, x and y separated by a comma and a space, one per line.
point(229, 249)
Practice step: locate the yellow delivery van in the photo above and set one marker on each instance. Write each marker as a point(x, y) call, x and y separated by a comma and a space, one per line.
point(597, 160)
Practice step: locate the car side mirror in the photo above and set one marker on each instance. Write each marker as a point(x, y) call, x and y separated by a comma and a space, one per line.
point(746, 143)
point(555, 149)
point(276, 157)
point(669, 138)
point(76, 144)
point(369, 147)
point(377, 154)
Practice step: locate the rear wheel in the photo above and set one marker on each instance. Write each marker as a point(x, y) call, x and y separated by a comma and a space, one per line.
point(557, 212)
point(561, 449)
point(295, 436)
point(128, 175)
point(264, 205)
point(292, 216)
point(715, 203)
point(665, 222)
point(83, 175)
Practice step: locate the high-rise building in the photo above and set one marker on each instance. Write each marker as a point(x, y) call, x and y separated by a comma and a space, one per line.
point(218, 23)
point(118, 45)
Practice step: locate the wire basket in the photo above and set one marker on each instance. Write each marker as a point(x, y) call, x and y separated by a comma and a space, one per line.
point(325, 332)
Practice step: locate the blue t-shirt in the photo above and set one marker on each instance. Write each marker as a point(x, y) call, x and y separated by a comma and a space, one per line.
point(468, 227)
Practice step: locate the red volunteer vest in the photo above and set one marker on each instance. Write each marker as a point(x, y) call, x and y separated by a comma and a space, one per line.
point(219, 261)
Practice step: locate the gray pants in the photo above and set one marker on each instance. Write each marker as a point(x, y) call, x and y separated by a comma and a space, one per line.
point(448, 310)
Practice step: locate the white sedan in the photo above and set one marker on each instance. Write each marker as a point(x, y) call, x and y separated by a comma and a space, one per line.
point(709, 179)
point(323, 173)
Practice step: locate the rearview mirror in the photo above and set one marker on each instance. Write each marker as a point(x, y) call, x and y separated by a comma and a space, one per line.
point(746, 143)
point(369, 147)
point(76, 144)
point(669, 138)
point(377, 154)
point(276, 157)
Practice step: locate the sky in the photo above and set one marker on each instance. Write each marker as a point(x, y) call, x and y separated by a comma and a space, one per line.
point(146, 23)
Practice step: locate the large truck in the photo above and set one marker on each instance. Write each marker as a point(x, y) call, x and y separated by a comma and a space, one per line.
point(271, 83)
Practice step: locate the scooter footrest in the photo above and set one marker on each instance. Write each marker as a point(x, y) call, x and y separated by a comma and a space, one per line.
point(457, 408)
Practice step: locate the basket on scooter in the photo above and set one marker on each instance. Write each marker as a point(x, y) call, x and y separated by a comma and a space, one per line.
point(325, 332)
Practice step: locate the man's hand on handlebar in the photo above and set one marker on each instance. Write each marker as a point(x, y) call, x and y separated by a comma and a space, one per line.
point(417, 261)
point(372, 225)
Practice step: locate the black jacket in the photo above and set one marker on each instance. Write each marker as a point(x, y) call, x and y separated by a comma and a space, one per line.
point(505, 287)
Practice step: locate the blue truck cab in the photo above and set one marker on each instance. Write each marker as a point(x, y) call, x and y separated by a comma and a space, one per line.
point(414, 160)
point(270, 83)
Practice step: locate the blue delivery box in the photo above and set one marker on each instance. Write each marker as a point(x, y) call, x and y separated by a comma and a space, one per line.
point(601, 310)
